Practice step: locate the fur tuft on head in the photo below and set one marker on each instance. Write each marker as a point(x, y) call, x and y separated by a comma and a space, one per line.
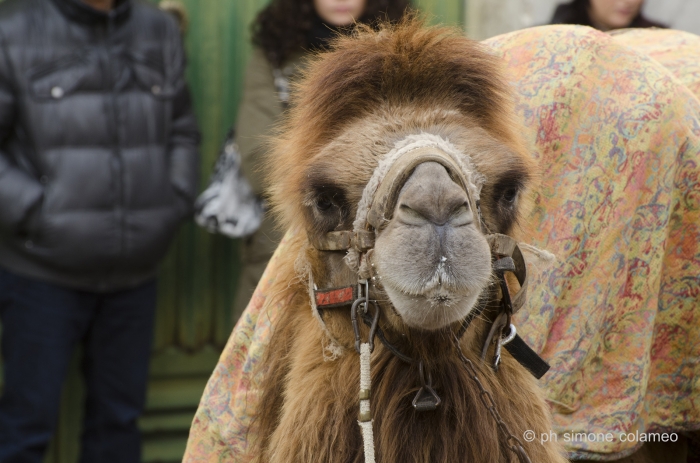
point(397, 66)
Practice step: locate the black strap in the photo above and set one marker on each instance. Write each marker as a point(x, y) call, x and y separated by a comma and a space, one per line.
point(380, 334)
point(527, 357)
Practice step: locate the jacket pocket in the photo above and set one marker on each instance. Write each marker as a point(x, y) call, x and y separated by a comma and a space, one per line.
point(149, 74)
point(58, 78)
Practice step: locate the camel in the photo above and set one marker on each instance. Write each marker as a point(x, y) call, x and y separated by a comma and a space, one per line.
point(402, 164)
point(602, 121)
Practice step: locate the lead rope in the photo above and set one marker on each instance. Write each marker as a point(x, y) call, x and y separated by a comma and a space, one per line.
point(365, 349)
point(365, 418)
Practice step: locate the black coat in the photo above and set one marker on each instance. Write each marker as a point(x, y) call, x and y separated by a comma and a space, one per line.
point(98, 142)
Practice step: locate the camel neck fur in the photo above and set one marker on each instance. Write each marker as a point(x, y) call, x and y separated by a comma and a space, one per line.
point(309, 407)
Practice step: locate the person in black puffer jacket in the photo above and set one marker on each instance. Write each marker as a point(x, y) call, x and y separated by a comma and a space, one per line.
point(98, 167)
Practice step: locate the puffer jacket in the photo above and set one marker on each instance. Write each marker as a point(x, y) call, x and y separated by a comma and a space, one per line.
point(98, 142)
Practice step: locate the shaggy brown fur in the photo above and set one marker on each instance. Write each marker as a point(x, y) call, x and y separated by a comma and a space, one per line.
point(392, 82)
point(352, 106)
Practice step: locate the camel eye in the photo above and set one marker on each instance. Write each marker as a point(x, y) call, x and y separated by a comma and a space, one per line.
point(327, 205)
point(324, 202)
point(510, 194)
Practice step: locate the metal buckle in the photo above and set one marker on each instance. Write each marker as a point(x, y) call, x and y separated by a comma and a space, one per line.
point(364, 301)
point(502, 341)
point(426, 399)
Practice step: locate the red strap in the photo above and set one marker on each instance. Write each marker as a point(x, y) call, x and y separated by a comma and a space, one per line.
point(334, 297)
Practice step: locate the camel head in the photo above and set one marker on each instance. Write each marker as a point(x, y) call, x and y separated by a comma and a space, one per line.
point(402, 143)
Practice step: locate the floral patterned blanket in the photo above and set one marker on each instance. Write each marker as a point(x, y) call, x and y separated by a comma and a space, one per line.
point(616, 128)
point(676, 50)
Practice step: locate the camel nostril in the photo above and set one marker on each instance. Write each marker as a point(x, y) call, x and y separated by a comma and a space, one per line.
point(411, 216)
point(462, 216)
point(421, 214)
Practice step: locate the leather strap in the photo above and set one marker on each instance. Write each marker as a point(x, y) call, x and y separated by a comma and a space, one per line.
point(527, 357)
point(343, 240)
point(505, 246)
point(335, 297)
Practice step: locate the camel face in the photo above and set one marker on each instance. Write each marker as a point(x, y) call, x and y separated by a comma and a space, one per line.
point(358, 105)
point(432, 259)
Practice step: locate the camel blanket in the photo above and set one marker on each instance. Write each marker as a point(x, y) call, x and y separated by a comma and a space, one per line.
point(618, 314)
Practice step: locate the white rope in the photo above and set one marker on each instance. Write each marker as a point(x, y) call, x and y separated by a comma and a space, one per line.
point(541, 255)
point(368, 438)
point(365, 378)
point(365, 385)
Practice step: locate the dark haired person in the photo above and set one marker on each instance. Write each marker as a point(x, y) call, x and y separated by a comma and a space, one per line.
point(98, 168)
point(283, 33)
point(604, 15)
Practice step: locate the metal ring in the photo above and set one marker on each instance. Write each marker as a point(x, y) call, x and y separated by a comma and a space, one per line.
point(355, 325)
point(510, 337)
point(375, 323)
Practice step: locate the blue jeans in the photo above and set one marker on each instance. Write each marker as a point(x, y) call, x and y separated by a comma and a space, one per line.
point(41, 326)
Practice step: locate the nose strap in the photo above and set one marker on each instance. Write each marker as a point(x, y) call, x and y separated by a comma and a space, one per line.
point(387, 193)
point(382, 190)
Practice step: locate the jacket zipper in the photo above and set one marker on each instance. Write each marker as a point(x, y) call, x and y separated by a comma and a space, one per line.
point(117, 152)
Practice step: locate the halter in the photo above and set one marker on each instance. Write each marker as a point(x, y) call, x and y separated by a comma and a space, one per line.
point(375, 210)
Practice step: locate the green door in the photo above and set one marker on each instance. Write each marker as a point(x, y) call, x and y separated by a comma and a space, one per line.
point(198, 277)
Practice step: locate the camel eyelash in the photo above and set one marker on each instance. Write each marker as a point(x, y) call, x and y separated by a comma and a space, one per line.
point(328, 205)
point(509, 186)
